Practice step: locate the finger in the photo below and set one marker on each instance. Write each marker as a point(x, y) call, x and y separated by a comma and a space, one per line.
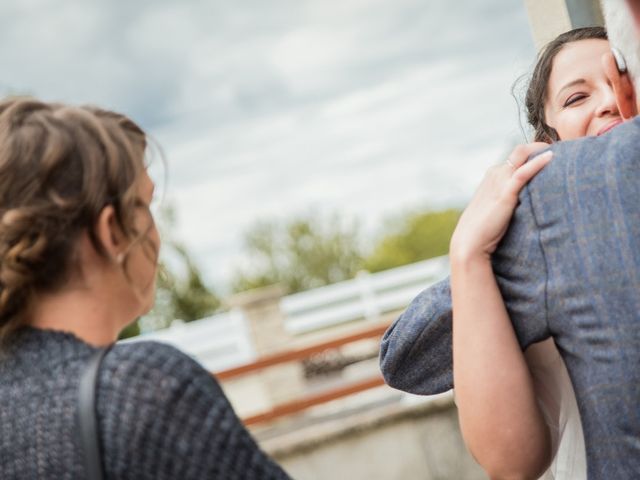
point(521, 153)
point(529, 170)
point(622, 87)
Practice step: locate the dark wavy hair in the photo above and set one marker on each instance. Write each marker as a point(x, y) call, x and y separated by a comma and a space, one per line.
point(59, 167)
point(537, 91)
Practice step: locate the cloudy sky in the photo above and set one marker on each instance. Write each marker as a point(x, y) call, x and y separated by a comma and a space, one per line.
point(272, 108)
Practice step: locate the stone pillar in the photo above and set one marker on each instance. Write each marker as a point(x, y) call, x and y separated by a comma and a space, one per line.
point(549, 18)
point(261, 309)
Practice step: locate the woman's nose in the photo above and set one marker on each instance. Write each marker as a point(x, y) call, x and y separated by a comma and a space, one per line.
point(608, 105)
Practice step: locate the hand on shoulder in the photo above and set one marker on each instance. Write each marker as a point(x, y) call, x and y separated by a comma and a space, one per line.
point(486, 218)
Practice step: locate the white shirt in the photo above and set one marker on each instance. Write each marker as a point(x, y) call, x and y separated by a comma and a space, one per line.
point(557, 401)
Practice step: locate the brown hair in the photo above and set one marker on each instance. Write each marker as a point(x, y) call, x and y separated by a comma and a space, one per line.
point(536, 96)
point(59, 167)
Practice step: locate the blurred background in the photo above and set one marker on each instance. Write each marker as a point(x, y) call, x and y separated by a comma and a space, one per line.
point(317, 155)
point(268, 111)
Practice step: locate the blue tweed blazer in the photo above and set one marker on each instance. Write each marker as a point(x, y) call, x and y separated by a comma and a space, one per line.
point(568, 267)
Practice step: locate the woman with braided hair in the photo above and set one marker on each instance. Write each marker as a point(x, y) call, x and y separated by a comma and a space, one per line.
point(78, 260)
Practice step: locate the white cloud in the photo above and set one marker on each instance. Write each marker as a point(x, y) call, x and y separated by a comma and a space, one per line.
point(272, 108)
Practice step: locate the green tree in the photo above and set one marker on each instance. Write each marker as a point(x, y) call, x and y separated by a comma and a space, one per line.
point(302, 253)
point(131, 330)
point(190, 298)
point(180, 296)
point(413, 237)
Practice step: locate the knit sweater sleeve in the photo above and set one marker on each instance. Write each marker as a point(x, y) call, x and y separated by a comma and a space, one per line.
point(162, 416)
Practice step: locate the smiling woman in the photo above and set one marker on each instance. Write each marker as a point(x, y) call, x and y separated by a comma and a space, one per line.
point(581, 101)
point(522, 422)
point(569, 97)
point(538, 97)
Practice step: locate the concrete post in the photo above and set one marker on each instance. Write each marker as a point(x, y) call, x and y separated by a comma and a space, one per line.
point(549, 18)
point(261, 309)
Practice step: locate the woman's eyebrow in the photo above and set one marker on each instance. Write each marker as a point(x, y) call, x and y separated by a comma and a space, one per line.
point(573, 83)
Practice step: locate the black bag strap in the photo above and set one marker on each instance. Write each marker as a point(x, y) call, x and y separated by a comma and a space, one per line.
point(87, 418)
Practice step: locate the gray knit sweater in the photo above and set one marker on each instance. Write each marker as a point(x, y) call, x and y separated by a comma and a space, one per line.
point(161, 415)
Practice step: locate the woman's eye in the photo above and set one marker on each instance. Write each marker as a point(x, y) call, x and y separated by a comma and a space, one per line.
point(573, 99)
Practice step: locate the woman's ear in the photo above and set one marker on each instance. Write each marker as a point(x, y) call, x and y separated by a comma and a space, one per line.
point(622, 87)
point(110, 235)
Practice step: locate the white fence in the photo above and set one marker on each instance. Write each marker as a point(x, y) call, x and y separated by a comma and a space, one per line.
point(365, 297)
point(223, 341)
point(217, 342)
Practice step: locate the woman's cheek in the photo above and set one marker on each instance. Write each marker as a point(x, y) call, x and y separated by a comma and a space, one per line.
point(575, 124)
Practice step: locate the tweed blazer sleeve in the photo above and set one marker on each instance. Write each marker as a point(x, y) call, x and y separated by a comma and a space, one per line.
point(520, 267)
point(416, 353)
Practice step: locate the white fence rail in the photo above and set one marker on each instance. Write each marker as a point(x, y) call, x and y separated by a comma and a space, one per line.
point(217, 342)
point(365, 297)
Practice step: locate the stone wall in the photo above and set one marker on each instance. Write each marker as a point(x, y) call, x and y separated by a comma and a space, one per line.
point(400, 441)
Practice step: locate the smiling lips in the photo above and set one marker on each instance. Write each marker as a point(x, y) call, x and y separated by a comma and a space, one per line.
point(609, 126)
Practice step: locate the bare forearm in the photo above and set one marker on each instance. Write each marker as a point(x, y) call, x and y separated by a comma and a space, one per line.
point(500, 419)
